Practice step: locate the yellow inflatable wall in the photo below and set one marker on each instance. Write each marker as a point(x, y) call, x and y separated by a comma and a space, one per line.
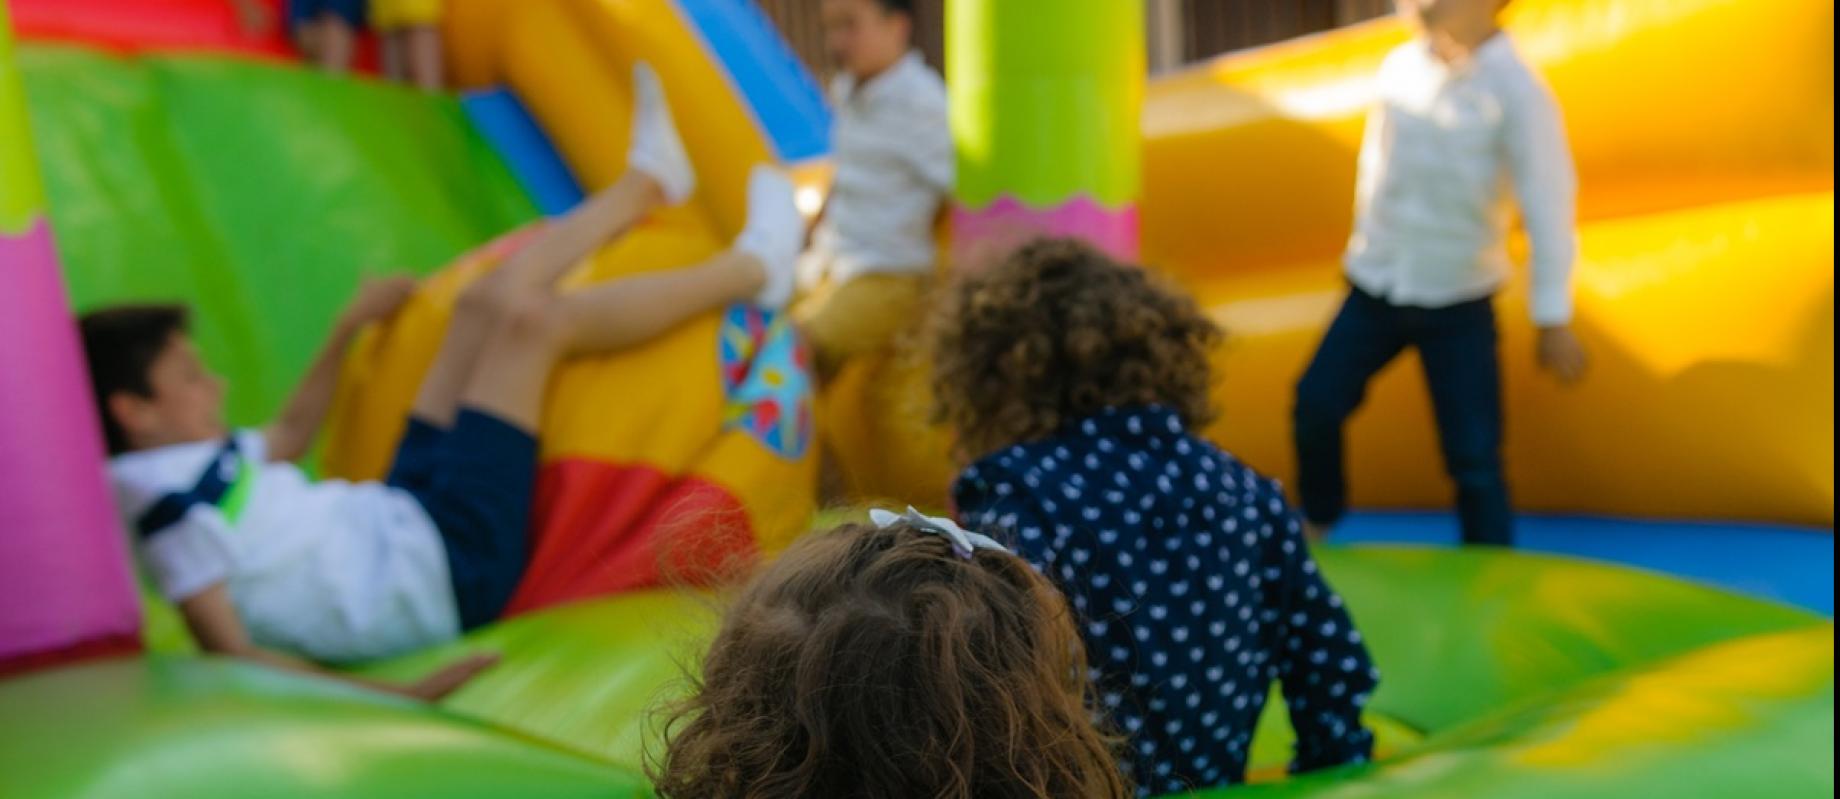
point(1705, 285)
point(1703, 132)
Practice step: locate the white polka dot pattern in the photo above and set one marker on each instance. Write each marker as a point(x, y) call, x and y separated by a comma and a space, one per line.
point(1187, 634)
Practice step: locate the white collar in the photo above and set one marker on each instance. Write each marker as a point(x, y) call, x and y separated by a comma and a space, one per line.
point(880, 84)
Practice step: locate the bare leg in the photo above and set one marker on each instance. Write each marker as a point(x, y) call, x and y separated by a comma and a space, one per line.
point(614, 316)
point(528, 272)
point(337, 43)
point(514, 363)
point(537, 329)
point(499, 360)
point(600, 219)
point(393, 50)
point(422, 44)
point(306, 39)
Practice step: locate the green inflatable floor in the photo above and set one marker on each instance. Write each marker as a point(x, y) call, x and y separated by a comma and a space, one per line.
point(259, 195)
point(1505, 675)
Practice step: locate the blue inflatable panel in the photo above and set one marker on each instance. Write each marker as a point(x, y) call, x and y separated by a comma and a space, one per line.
point(784, 96)
point(533, 160)
point(1792, 565)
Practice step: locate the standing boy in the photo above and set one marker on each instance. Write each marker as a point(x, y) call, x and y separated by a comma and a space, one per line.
point(1462, 130)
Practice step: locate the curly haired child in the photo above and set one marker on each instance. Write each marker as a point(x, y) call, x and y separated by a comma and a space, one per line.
point(1072, 383)
point(910, 659)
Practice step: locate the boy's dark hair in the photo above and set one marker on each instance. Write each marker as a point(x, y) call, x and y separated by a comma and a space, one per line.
point(1058, 332)
point(900, 7)
point(121, 344)
point(878, 662)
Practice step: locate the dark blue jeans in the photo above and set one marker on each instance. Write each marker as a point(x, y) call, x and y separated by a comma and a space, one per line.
point(1458, 347)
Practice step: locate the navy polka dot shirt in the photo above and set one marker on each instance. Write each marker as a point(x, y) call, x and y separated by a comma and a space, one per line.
point(1194, 588)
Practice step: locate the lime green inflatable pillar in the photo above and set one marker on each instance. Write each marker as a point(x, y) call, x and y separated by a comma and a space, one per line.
point(65, 587)
point(1047, 97)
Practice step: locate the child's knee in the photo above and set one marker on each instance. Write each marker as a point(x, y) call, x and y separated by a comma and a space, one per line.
point(1320, 403)
point(516, 315)
point(480, 301)
point(493, 300)
point(533, 320)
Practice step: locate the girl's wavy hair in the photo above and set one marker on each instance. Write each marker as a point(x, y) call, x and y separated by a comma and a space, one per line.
point(876, 662)
point(1057, 332)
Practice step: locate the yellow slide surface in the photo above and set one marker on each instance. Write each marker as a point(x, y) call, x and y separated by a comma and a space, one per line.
point(667, 462)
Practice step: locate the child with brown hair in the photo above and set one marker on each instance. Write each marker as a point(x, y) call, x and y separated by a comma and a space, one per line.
point(268, 564)
point(1074, 382)
point(907, 659)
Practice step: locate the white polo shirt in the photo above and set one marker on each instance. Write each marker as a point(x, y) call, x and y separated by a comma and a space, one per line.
point(1449, 152)
point(895, 165)
point(335, 571)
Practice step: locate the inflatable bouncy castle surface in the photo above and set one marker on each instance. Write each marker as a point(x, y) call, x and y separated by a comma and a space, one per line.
point(182, 162)
point(1504, 675)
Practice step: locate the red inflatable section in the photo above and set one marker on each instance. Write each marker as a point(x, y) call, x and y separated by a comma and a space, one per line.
point(96, 649)
point(603, 529)
point(134, 26)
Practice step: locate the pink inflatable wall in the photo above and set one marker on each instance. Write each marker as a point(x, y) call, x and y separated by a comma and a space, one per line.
point(66, 589)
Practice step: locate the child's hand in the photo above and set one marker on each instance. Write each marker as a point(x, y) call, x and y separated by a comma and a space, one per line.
point(438, 685)
point(1561, 354)
point(379, 299)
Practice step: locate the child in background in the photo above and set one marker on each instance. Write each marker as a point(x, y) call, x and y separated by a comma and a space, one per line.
point(261, 560)
point(326, 31)
point(1463, 129)
point(1075, 382)
point(254, 18)
point(409, 33)
point(910, 659)
point(872, 252)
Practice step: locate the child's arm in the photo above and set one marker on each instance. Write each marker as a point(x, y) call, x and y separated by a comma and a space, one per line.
point(291, 435)
point(1322, 661)
point(933, 155)
point(1546, 188)
point(213, 621)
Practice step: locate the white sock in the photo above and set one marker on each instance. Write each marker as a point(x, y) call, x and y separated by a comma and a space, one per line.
point(656, 149)
point(773, 234)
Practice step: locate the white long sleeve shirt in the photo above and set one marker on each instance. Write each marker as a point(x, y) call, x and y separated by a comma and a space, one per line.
point(895, 165)
point(1449, 152)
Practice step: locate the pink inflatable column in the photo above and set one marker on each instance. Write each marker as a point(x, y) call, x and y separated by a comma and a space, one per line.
point(66, 589)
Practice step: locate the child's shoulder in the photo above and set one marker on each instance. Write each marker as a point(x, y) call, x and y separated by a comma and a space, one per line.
point(922, 88)
point(1509, 70)
point(176, 466)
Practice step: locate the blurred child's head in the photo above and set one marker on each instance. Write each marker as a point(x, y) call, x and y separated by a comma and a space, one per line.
point(1462, 20)
point(865, 37)
point(1058, 332)
point(151, 387)
point(882, 662)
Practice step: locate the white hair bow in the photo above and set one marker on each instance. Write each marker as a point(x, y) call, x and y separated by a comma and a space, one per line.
point(964, 542)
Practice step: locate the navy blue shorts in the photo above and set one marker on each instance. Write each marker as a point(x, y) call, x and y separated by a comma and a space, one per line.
point(476, 481)
point(301, 12)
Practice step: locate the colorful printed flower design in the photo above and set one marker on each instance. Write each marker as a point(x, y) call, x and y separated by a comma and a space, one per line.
point(766, 375)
